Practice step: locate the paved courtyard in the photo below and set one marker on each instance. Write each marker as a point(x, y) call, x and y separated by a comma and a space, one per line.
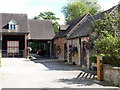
point(24, 73)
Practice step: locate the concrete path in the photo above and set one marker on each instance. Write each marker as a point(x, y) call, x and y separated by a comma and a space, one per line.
point(23, 73)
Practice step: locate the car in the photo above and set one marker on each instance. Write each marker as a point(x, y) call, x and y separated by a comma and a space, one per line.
point(41, 52)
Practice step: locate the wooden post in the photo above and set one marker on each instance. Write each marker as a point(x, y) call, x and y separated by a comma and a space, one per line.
point(25, 49)
point(0, 58)
point(0, 47)
point(99, 69)
point(88, 60)
point(50, 49)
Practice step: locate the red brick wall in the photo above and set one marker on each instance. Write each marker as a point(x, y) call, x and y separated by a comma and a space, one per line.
point(60, 42)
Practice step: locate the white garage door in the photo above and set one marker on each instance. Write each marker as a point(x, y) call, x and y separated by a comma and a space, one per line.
point(12, 47)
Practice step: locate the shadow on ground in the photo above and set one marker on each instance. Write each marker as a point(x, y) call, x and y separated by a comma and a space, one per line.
point(84, 79)
point(56, 65)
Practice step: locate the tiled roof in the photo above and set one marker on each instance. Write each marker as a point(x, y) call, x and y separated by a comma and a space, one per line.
point(41, 30)
point(21, 20)
point(62, 30)
point(85, 28)
point(70, 25)
point(63, 27)
point(73, 23)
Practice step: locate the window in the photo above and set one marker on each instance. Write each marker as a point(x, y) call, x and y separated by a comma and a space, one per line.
point(12, 25)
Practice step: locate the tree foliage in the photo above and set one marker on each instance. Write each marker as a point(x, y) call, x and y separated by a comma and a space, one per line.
point(110, 47)
point(49, 16)
point(108, 25)
point(79, 8)
point(107, 39)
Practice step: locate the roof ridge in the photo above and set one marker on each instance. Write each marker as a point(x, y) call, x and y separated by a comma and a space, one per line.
point(16, 13)
point(39, 20)
point(114, 8)
point(93, 18)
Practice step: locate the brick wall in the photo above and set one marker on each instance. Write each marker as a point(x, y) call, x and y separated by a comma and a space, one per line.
point(60, 42)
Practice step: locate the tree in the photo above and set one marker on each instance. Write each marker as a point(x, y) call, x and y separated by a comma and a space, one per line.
point(49, 16)
point(107, 39)
point(108, 25)
point(110, 47)
point(79, 8)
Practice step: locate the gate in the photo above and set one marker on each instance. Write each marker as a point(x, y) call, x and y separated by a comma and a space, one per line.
point(12, 50)
point(12, 47)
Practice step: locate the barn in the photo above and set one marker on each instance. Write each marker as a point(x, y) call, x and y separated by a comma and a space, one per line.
point(17, 31)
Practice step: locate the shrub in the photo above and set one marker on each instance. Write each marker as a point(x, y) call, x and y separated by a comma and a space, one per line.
point(110, 46)
point(93, 58)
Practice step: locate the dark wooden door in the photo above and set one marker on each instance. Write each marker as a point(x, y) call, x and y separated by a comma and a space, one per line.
point(65, 51)
point(84, 55)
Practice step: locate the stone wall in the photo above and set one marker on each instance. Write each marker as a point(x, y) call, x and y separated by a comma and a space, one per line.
point(75, 56)
point(111, 74)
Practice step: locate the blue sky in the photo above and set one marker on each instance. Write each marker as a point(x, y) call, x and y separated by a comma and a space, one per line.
point(34, 7)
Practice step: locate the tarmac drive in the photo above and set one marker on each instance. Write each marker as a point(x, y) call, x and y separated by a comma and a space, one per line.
point(24, 73)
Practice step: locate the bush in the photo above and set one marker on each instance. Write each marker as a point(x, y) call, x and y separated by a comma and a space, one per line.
point(93, 58)
point(110, 46)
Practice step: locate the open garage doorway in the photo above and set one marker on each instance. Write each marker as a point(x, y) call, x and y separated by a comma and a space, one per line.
point(41, 49)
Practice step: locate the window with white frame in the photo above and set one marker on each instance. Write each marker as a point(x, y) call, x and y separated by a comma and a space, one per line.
point(12, 25)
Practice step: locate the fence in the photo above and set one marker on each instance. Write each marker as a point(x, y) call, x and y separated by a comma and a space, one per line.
point(6, 54)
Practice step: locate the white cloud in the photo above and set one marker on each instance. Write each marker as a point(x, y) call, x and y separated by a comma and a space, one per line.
point(11, 6)
point(34, 7)
point(36, 10)
point(62, 19)
point(22, 6)
point(47, 1)
point(107, 4)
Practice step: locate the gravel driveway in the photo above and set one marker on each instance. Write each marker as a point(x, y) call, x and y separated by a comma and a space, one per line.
point(24, 73)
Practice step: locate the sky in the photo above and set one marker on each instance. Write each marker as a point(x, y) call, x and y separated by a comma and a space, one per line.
point(34, 7)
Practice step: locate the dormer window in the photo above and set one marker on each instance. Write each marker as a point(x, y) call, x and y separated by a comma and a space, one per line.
point(12, 25)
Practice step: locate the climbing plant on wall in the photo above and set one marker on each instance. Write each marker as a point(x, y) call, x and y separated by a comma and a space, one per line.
point(107, 38)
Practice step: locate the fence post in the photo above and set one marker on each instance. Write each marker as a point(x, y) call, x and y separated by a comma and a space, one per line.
point(99, 68)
